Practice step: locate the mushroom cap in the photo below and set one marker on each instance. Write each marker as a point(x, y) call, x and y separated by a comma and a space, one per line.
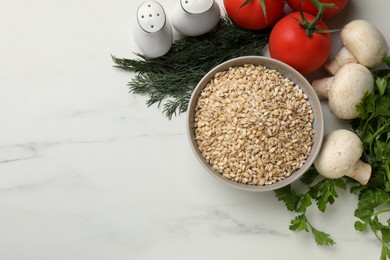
point(349, 85)
point(365, 41)
point(341, 149)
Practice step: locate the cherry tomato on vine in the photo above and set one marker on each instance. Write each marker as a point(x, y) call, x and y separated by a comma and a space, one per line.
point(250, 15)
point(289, 42)
point(308, 7)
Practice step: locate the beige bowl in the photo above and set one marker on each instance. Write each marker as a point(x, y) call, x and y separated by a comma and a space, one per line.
point(287, 72)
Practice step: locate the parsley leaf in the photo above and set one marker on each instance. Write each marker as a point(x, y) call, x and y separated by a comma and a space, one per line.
point(385, 230)
point(294, 201)
point(360, 226)
point(303, 203)
point(381, 83)
point(309, 176)
point(372, 198)
point(299, 223)
point(324, 192)
point(322, 238)
point(289, 197)
point(369, 200)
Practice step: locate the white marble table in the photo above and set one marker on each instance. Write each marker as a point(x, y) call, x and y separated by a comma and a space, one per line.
point(88, 172)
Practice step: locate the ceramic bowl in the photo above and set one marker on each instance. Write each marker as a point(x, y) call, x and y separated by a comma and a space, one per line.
point(287, 72)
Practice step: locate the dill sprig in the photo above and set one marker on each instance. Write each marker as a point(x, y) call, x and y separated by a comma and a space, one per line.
point(170, 79)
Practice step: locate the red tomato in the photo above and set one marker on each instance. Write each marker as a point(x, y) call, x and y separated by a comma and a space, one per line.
point(310, 8)
point(289, 43)
point(251, 16)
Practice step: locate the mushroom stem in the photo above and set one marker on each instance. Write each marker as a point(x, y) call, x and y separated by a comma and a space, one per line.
point(322, 86)
point(343, 57)
point(361, 172)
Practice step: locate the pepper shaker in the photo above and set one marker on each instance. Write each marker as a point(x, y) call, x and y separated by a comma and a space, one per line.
point(152, 30)
point(195, 17)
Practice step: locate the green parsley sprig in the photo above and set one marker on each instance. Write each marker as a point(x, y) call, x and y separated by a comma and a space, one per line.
point(322, 193)
point(373, 128)
point(373, 209)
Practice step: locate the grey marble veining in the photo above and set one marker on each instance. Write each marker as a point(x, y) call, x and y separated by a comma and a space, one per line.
point(89, 172)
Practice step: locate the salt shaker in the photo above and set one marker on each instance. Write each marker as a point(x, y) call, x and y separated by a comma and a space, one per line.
point(195, 17)
point(152, 30)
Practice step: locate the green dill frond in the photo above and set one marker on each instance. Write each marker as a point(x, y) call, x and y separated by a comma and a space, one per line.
point(170, 79)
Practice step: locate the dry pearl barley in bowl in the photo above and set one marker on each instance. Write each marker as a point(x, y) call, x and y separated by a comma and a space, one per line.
point(255, 123)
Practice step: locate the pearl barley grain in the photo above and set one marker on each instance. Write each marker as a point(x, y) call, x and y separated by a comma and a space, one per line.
point(253, 125)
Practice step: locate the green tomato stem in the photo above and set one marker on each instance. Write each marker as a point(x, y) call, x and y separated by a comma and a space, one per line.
point(321, 8)
point(310, 27)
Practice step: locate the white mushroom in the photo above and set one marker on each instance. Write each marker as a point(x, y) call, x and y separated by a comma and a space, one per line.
point(363, 43)
point(340, 156)
point(345, 90)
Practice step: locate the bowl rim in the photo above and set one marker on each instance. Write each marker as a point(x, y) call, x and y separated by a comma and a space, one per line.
point(292, 74)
